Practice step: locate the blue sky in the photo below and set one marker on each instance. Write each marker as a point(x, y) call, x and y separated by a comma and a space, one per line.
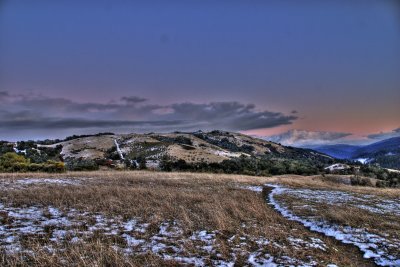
point(336, 63)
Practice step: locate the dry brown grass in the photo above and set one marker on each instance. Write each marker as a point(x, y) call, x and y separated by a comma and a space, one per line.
point(197, 201)
point(95, 253)
point(347, 215)
point(321, 182)
point(372, 210)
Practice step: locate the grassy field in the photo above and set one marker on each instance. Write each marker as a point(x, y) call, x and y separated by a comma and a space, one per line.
point(173, 219)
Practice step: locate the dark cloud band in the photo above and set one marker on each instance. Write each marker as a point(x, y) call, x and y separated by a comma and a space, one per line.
point(36, 112)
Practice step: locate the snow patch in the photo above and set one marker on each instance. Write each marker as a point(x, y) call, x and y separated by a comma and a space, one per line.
point(227, 154)
point(26, 182)
point(340, 198)
point(254, 188)
point(168, 242)
point(363, 160)
point(337, 167)
point(373, 246)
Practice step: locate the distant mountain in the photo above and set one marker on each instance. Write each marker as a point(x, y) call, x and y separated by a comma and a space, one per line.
point(339, 151)
point(386, 153)
point(388, 145)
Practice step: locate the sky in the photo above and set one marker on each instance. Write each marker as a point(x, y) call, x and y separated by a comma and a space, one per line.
point(327, 69)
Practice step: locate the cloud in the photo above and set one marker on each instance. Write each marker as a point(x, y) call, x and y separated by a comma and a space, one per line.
point(307, 138)
point(133, 99)
point(4, 95)
point(131, 113)
point(71, 123)
point(230, 116)
point(385, 135)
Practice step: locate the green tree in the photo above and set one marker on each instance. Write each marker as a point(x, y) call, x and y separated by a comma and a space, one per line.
point(11, 162)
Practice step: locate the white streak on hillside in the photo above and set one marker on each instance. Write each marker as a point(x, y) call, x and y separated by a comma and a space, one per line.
point(121, 155)
point(373, 246)
point(16, 150)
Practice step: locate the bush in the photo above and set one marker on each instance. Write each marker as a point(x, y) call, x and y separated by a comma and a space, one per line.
point(130, 164)
point(112, 154)
point(356, 180)
point(11, 162)
point(81, 164)
point(381, 184)
point(53, 166)
point(242, 165)
point(142, 163)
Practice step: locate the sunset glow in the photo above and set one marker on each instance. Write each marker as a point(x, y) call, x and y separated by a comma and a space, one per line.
point(265, 68)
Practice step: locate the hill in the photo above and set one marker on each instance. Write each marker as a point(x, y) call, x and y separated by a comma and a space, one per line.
point(339, 151)
point(386, 153)
point(213, 152)
point(199, 151)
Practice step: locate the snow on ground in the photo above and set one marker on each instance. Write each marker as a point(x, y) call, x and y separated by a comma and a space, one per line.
point(152, 164)
point(363, 160)
point(26, 182)
point(54, 228)
point(226, 154)
point(301, 243)
point(16, 150)
point(254, 188)
point(30, 181)
point(331, 197)
point(337, 167)
point(380, 248)
point(393, 170)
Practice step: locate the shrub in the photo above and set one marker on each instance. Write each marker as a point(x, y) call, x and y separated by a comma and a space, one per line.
point(381, 184)
point(356, 180)
point(81, 164)
point(54, 166)
point(142, 162)
point(11, 162)
point(130, 164)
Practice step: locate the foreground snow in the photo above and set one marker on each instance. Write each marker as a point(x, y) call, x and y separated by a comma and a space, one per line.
point(374, 246)
point(23, 183)
point(339, 198)
point(168, 241)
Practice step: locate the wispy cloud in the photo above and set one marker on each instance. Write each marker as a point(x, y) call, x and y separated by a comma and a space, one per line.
point(303, 138)
point(308, 138)
point(385, 135)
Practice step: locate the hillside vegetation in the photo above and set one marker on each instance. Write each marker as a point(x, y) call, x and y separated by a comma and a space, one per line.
point(385, 153)
point(215, 151)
